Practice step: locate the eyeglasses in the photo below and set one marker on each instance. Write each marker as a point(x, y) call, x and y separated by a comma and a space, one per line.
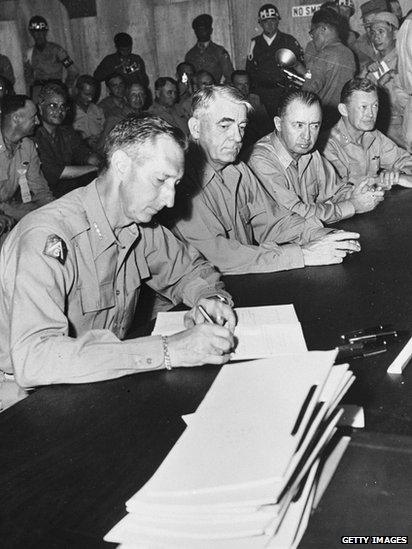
point(55, 107)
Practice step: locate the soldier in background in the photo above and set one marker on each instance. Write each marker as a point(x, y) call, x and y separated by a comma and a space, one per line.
point(46, 61)
point(130, 65)
point(205, 54)
point(265, 74)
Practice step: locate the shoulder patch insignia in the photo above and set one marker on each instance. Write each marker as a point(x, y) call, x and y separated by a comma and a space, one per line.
point(55, 247)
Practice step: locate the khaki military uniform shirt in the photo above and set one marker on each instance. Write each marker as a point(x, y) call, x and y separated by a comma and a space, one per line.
point(214, 59)
point(63, 313)
point(230, 219)
point(26, 159)
point(172, 115)
point(47, 64)
point(89, 123)
point(330, 69)
point(354, 161)
point(308, 187)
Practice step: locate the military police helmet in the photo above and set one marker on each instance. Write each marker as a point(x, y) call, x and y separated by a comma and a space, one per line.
point(38, 23)
point(268, 11)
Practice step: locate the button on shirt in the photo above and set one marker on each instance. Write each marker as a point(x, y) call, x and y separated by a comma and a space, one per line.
point(231, 220)
point(308, 187)
point(354, 161)
point(62, 322)
point(24, 157)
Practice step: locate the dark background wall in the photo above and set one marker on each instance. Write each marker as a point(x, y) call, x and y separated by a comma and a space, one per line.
point(161, 29)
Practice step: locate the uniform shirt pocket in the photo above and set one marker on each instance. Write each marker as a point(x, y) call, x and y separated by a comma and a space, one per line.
point(104, 298)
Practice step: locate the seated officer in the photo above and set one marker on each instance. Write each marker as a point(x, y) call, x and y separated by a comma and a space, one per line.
point(224, 211)
point(89, 118)
point(23, 187)
point(356, 149)
point(259, 123)
point(6, 69)
point(70, 275)
point(165, 103)
point(67, 160)
point(115, 103)
point(136, 97)
point(205, 54)
point(124, 62)
point(185, 73)
point(46, 60)
point(298, 177)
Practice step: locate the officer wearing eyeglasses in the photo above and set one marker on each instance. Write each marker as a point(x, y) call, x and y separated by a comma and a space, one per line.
point(67, 160)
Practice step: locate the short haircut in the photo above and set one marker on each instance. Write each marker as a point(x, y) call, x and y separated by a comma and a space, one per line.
point(308, 98)
point(12, 103)
point(52, 88)
point(180, 66)
point(356, 84)
point(123, 40)
point(86, 79)
point(203, 20)
point(114, 75)
point(239, 73)
point(162, 81)
point(135, 131)
point(201, 72)
point(203, 99)
point(129, 86)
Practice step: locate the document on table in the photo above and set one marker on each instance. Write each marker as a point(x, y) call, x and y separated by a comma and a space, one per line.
point(260, 331)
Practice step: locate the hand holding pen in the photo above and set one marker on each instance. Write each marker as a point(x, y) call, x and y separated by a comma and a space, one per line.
point(211, 311)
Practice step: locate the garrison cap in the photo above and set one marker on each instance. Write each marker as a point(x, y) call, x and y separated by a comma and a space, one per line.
point(203, 20)
point(268, 11)
point(38, 23)
point(374, 6)
point(386, 17)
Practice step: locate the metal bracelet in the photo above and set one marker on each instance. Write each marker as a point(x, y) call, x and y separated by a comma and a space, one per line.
point(167, 361)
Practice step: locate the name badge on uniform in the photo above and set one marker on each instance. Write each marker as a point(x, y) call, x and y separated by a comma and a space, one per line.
point(23, 183)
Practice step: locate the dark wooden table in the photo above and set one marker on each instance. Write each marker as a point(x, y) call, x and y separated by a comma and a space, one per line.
point(70, 456)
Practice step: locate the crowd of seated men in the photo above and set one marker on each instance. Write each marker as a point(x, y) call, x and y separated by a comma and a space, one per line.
point(254, 191)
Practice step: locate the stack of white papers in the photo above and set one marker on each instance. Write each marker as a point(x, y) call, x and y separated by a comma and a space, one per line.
point(275, 327)
point(251, 463)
